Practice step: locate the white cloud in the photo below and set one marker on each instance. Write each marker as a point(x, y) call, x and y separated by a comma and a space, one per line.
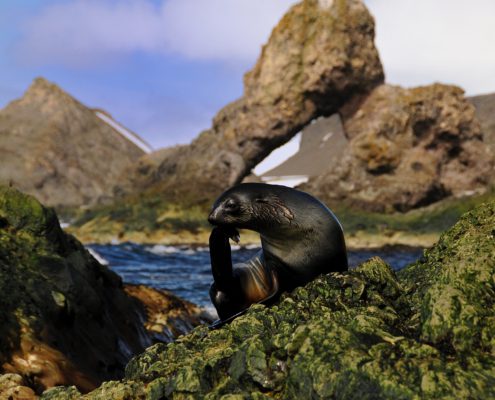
point(422, 41)
point(92, 32)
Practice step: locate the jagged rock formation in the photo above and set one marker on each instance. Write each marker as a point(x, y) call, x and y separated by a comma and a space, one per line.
point(407, 148)
point(55, 148)
point(318, 57)
point(427, 332)
point(64, 318)
point(325, 139)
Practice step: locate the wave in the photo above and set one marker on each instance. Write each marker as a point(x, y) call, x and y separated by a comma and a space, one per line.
point(160, 249)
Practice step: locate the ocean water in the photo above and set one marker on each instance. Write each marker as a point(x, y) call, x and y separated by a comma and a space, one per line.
point(185, 270)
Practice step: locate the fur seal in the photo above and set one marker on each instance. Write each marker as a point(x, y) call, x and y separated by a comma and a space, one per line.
point(300, 239)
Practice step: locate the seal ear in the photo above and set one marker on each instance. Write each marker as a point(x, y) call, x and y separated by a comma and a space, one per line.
point(272, 206)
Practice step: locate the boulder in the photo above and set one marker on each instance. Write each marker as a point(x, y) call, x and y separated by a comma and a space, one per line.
point(319, 56)
point(407, 148)
point(13, 386)
point(64, 318)
point(426, 332)
point(167, 316)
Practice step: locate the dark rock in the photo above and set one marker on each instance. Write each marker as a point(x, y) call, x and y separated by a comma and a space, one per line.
point(64, 318)
point(407, 148)
point(320, 55)
point(168, 316)
point(55, 148)
point(427, 333)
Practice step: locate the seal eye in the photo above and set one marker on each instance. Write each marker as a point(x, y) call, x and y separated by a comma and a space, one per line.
point(231, 206)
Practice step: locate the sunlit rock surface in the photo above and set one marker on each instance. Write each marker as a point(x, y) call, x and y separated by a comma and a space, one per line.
point(407, 148)
point(427, 332)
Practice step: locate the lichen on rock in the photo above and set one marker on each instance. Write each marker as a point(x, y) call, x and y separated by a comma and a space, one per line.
point(426, 332)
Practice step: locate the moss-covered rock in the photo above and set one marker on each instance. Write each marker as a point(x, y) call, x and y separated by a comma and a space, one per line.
point(64, 318)
point(366, 334)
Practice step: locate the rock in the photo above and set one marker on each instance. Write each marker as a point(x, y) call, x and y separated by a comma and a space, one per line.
point(485, 111)
point(407, 148)
point(319, 56)
point(168, 316)
point(13, 386)
point(64, 318)
point(144, 172)
point(427, 332)
point(55, 148)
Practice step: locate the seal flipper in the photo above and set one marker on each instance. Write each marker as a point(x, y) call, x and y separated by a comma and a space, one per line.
point(221, 260)
point(225, 292)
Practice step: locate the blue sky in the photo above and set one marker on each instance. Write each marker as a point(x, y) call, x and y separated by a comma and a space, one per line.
point(164, 67)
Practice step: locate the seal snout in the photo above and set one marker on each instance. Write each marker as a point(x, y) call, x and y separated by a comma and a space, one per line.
point(214, 217)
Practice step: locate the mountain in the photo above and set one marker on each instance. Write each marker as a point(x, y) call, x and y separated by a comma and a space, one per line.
point(61, 151)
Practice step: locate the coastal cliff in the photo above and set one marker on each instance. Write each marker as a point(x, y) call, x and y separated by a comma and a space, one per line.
point(425, 332)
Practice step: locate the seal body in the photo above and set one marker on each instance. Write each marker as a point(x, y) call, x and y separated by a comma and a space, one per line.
point(300, 239)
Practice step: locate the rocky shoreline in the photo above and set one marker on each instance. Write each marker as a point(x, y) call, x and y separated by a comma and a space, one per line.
point(425, 332)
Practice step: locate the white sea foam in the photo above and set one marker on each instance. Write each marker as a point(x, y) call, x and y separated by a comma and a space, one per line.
point(252, 246)
point(64, 224)
point(97, 257)
point(162, 249)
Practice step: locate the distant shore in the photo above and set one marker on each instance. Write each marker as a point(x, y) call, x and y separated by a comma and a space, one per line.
point(354, 240)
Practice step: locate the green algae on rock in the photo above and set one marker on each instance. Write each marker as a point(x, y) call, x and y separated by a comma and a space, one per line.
point(64, 318)
point(59, 308)
point(426, 333)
